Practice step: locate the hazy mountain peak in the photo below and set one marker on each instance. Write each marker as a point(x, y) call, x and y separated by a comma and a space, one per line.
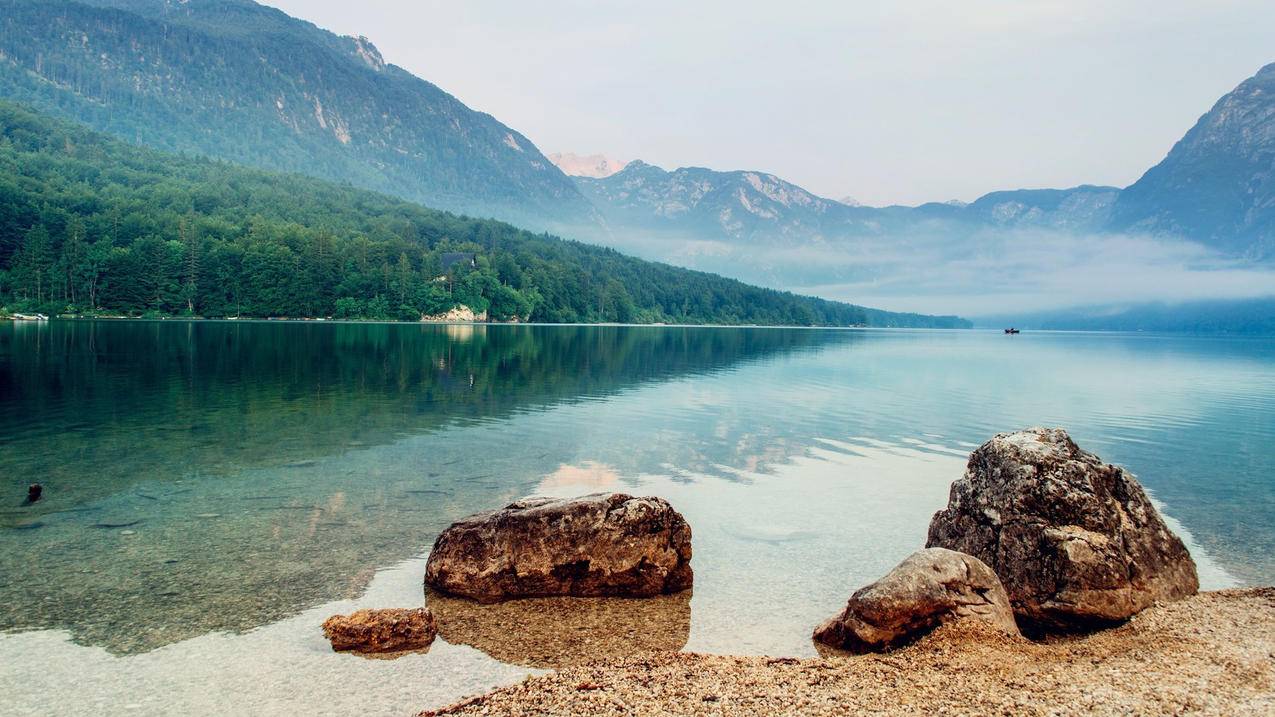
point(739, 204)
point(1217, 184)
point(596, 166)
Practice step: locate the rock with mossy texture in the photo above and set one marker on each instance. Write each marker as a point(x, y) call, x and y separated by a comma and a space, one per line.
point(376, 631)
point(601, 545)
point(1076, 541)
point(931, 587)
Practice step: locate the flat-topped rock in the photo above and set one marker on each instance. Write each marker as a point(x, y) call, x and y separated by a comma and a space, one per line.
point(1075, 541)
point(606, 544)
point(931, 587)
point(391, 630)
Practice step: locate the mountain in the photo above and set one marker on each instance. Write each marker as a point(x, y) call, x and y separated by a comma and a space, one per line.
point(1210, 202)
point(1085, 208)
point(1217, 184)
point(239, 81)
point(757, 206)
point(760, 228)
point(91, 223)
point(706, 203)
point(596, 166)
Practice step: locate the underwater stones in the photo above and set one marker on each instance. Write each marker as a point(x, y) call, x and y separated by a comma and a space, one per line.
point(1075, 541)
point(388, 630)
point(556, 632)
point(931, 587)
point(601, 545)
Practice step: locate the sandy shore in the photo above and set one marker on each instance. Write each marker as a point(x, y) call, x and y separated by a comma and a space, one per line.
point(1212, 654)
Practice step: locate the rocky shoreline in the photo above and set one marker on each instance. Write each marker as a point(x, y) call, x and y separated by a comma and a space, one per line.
point(1210, 654)
point(1048, 585)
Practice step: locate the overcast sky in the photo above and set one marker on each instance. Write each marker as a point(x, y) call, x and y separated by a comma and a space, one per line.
point(888, 102)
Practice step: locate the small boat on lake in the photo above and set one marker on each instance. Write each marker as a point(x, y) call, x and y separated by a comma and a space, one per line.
point(1012, 331)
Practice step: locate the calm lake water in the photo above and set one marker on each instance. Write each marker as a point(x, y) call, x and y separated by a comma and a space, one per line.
point(213, 491)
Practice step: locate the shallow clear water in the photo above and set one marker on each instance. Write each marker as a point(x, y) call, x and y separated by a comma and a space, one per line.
point(214, 490)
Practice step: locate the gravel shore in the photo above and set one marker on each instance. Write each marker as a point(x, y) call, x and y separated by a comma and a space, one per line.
point(1211, 654)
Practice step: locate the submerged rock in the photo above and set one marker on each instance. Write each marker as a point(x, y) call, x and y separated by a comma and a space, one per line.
point(390, 630)
point(555, 632)
point(606, 544)
point(931, 587)
point(1075, 541)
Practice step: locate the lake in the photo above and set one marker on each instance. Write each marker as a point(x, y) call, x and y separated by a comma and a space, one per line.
point(214, 490)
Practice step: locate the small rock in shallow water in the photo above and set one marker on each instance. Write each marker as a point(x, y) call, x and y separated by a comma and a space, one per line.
point(390, 630)
point(931, 587)
point(34, 491)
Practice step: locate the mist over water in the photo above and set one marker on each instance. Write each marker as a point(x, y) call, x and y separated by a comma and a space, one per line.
point(214, 490)
point(948, 268)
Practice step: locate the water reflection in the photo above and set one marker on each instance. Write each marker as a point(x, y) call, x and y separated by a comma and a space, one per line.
point(560, 632)
point(94, 408)
point(211, 477)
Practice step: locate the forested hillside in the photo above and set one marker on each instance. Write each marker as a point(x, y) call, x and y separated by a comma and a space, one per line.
point(91, 224)
point(240, 81)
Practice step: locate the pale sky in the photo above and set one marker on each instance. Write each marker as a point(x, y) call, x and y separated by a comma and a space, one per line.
point(888, 102)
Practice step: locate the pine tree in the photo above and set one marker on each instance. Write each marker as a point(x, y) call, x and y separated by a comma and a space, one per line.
point(74, 257)
point(33, 265)
point(190, 242)
point(403, 280)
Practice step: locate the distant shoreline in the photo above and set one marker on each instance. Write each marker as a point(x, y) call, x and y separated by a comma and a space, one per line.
point(974, 329)
point(325, 320)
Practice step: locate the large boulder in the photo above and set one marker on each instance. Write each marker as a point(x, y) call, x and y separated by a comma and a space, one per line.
point(931, 587)
point(607, 544)
point(1075, 541)
point(391, 630)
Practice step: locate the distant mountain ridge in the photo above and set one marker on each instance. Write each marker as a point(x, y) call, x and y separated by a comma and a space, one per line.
point(759, 206)
point(736, 205)
point(1216, 187)
point(240, 81)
